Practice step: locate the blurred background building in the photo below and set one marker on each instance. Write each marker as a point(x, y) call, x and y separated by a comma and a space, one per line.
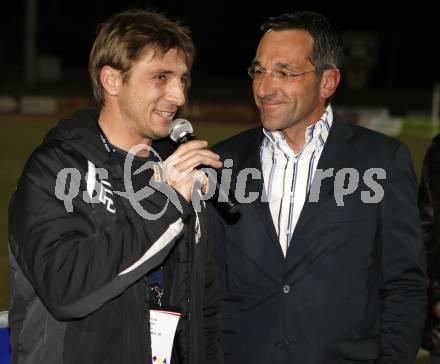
point(392, 57)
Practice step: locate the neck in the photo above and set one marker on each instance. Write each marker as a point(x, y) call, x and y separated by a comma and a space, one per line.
point(295, 134)
point(295, 139)
point(118, 134)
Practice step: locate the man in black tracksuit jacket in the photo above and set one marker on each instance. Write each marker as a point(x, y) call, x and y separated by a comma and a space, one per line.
point(82, 248)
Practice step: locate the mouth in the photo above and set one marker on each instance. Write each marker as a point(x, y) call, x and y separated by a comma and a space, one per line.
point(165, 114)
point(270, 106)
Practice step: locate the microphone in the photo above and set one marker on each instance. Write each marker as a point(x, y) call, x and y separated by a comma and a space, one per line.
point(181, 131)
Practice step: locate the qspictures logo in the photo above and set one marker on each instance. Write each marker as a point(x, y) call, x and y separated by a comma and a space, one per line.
point(99, 190)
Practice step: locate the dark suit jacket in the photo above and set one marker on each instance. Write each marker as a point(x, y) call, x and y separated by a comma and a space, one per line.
point(352, 287)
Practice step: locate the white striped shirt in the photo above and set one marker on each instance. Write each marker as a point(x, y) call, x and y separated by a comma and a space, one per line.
point(288, 176)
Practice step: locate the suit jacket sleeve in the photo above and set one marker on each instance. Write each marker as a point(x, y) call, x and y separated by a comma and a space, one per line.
point(403, 295)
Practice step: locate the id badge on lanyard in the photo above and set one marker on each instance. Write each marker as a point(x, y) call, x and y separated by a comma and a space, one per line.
point(163, 325)
point(163, 322)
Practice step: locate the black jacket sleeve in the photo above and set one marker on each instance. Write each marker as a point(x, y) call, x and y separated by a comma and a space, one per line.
point(77, 261)
point(211, 313)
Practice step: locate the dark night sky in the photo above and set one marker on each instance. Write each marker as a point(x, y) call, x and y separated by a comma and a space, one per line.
point(226, 33)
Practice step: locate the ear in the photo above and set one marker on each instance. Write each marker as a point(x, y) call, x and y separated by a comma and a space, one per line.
point(329, 82)
point(110, 80)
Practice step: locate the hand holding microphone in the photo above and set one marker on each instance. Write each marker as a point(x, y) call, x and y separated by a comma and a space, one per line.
point(180, 169)
point(190, 155)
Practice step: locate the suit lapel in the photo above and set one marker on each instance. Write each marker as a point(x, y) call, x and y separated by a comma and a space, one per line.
point(337, 153)
point(262, 240)
point(261, 209)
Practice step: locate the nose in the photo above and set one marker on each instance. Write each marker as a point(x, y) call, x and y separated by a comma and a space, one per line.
point(265, 86)
point(176, 92)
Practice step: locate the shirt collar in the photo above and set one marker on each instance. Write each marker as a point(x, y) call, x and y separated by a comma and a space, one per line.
point(318, 131)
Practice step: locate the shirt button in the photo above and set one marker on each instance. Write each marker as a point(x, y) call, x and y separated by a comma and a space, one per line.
point(286, 288)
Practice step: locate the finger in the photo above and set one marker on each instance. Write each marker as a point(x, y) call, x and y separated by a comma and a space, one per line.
point(176, 167)
point(196, 153)
point(179, 172)
point(197, 160)
point(171, 173)
point(202, 179)
point(191, 145)
point(193, 158)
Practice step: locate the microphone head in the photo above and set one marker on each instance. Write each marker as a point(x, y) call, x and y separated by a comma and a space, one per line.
point(179, 128)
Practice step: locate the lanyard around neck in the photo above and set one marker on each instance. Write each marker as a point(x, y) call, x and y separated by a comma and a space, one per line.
point(108, 147)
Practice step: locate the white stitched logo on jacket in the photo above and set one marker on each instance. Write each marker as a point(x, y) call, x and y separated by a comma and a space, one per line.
point(103, 188)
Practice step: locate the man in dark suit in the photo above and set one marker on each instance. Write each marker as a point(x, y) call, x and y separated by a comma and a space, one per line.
point(326, 265)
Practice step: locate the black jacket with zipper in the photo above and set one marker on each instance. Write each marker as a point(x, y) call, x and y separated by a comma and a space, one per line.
point(78, 256)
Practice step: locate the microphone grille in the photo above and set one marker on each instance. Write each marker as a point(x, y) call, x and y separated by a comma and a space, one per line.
point(180, 128)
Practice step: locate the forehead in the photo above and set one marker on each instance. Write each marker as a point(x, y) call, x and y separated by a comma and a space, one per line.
point(172, 60)
point(285, 46)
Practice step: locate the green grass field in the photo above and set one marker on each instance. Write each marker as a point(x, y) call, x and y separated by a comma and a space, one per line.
point(21, 134)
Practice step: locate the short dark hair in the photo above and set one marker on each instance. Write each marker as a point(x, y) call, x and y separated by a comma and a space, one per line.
point(126, 36)
point(327, 47)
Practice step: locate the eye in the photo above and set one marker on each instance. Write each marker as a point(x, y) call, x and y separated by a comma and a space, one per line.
point(256, 73)
point(160, 77)
point(284, 74)
point(184, 81)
